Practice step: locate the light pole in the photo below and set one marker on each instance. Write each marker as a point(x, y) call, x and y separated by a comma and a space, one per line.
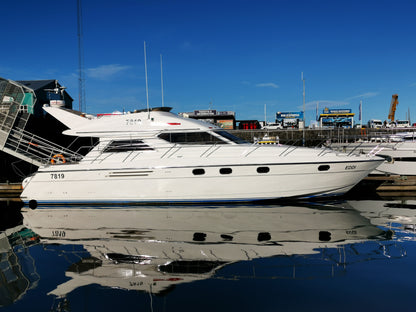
point(304, 125)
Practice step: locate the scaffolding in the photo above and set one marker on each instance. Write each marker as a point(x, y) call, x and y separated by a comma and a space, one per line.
point(16, 104)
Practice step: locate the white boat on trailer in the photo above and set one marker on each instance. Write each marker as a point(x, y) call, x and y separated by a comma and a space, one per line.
point(155, 156)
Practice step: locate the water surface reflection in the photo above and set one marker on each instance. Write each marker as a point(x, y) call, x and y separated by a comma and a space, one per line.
point(157, 250)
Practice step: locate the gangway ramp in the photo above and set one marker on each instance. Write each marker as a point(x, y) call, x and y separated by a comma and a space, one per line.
point(16, 104)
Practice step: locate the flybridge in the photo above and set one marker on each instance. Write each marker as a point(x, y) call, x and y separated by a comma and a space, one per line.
point(126, 124)
point(16, 104)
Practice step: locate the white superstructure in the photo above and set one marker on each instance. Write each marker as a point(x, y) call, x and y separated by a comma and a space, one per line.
point(157, 157)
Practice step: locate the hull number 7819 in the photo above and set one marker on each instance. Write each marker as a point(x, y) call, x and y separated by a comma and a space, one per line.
point(57, 176)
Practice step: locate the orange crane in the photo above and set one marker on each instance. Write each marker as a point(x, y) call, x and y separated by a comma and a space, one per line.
point(393, 105)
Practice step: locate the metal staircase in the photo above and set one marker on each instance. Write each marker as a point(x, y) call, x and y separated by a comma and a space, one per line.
point(16, 101)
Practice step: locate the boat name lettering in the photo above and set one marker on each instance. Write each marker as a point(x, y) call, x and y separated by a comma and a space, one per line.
point(58, 233)
point(133, 122)
point(350, 167)
point(351, 232)
point(57, 176)
point(132, 284)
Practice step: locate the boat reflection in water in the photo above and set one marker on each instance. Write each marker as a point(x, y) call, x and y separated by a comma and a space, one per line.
point(399, 217)
point(154, 248)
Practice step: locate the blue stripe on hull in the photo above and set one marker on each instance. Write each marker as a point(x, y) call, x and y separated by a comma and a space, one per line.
point(178, 202)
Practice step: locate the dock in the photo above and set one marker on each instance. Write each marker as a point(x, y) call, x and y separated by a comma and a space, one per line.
point(394, 185)
point(10, 190)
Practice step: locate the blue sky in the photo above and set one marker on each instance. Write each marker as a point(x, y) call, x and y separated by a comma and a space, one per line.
point(238, 55)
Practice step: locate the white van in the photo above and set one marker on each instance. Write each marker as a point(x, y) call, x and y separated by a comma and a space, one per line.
point(402, 124)
point(375, 123)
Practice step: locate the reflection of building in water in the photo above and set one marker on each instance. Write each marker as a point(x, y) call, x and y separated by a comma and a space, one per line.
point(17, 270)
point(153, 249)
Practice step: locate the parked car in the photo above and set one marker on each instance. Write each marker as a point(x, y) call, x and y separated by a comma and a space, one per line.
point(273, 126)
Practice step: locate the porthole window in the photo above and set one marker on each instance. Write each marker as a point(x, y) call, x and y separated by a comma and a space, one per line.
point(198, 171)
point(226, 170)
point(264, 236)
point(263, 169)
point(323, 168)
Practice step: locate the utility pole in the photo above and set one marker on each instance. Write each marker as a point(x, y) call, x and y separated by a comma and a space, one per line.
point(408, 115)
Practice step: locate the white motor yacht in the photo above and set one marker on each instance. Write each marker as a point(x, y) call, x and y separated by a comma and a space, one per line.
point(398, 150)
point(155, 156)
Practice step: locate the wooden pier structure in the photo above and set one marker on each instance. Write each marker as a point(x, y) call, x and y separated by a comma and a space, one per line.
point(10, 191)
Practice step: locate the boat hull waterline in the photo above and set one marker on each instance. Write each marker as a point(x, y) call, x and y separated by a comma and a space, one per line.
point(177, 185)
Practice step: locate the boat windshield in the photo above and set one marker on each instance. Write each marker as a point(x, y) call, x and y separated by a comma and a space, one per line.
point(231, 137)
point(118, 146)
point(191, 138)
point(218, 137)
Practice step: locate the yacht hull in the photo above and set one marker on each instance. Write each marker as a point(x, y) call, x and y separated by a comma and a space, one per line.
point(71, 184)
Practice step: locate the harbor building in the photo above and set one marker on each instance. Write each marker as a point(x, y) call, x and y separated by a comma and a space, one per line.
point(223, 119)
point(47, 92)
point(249, 125)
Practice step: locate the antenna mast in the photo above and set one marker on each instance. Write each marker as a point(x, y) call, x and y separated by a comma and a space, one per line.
point(161, 79)
point(81, 78)
point(145, 72)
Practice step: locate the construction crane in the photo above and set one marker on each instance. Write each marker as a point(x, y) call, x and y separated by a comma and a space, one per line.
point(393, 105)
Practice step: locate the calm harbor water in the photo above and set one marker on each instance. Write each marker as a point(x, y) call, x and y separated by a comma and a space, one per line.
point(344, 255)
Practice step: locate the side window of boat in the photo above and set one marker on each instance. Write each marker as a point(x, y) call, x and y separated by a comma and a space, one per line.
point(190, 138)
point(126, 145)
point(198, 171)
point(263, 169)
point(226, 170)
point(323, 168)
